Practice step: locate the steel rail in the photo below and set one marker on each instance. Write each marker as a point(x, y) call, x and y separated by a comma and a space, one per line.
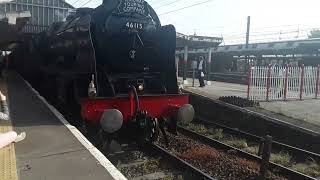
point(178, 161)
point(259, 124)
point(222, 146)
point(297, 153)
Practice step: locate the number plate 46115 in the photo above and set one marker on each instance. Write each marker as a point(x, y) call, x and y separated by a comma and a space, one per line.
point(134, 25)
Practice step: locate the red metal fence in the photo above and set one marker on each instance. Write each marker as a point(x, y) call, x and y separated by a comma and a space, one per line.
point(283, 83)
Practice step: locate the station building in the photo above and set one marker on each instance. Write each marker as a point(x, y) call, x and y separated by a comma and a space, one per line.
point(231, 62)
point(20, 19)
point(43, 12)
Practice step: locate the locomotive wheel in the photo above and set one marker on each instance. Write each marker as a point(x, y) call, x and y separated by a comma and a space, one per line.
point(148, 127)
point(171, 125)
point(153, 130)
point(162, 124)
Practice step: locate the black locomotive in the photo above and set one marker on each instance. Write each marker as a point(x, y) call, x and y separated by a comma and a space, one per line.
point(115, 61)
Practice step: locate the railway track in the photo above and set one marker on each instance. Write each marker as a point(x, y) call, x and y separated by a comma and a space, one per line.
point(159, 161)
point(255, 123)
point(149, 161)
point(299, 163)
point(152, 162)
point(176, 161)
point(215, 161)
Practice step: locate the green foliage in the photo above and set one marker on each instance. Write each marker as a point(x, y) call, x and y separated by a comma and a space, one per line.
point(119, 166)
point(198, 128)
point(238, 143)
point(282, 158)
point(216, 133)
point(151, 165)
point(311, 169)
point(252, 149)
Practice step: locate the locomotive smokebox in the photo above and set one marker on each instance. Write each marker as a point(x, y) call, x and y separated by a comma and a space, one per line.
point(111, 120)
point(185, 114)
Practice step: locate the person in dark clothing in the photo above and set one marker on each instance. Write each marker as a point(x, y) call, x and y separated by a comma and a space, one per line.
point(201, 70)
point(2, 64)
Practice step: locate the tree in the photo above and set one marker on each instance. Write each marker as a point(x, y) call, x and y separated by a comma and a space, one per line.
point(314, 34)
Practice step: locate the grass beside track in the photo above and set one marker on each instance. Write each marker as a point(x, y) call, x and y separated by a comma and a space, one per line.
point(308, 167)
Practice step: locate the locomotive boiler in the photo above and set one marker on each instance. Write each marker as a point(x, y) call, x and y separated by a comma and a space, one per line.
point(116, 62)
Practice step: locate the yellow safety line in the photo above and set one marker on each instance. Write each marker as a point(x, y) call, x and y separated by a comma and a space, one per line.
point(8, 167)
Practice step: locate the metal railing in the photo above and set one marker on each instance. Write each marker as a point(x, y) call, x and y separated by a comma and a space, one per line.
point(29, 28)
point(33, 29)
point(283, 83)
point(230, 77)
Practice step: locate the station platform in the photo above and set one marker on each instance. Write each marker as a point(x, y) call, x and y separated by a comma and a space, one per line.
point(216, 89)
point(53, 149)
point(303, 113)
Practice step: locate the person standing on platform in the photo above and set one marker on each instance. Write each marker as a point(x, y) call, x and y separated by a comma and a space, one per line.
point(201, 70)
point(2, 63)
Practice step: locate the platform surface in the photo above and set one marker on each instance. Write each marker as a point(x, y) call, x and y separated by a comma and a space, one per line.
point(50, 150)
point(8, 170)
point(301, 113)
point(217, 89)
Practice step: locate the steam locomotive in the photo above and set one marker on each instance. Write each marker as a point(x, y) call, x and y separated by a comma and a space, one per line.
point(116, 62)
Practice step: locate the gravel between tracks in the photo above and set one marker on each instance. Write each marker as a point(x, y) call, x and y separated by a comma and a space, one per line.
point(221, 165)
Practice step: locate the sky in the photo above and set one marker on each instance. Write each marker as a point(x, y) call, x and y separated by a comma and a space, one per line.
point(271, 20)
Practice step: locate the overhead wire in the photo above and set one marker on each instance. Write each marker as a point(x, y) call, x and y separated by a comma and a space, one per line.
point(254, 40)
point(256, 34)
point(255, 31)
point(158, 2)
point(167, 4)
point(186, 7)
point(268, 33)
point(85, 3)
point(75, 2)
point(277, 37)
point(280, 35)
point(269, 27)
point(151, 1)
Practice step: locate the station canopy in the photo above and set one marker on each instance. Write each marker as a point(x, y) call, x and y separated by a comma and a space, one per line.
point(11, 25)
point(307, 46)
point(196, 42)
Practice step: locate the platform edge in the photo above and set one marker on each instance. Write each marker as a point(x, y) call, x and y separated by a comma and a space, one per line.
point(113, 171)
